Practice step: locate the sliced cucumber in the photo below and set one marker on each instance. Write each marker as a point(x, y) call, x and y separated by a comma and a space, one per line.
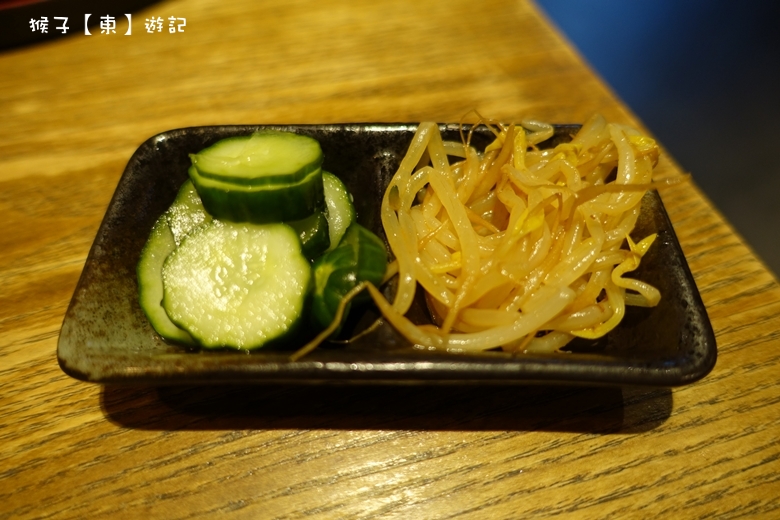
point(186, 213)
point(264, 158)
point(266, 177)
point(150, 283)
point(341, 211)
point(360, 256)
point(237, 285)
point(322, 231)
point(313, 232)
point(260, 204)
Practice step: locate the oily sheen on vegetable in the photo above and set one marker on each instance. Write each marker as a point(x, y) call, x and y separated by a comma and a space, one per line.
point(517, 247)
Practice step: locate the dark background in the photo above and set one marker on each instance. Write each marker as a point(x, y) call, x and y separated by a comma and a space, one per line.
point(704, 76)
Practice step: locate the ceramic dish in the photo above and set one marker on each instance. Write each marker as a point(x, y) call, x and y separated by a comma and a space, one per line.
point(106, 338)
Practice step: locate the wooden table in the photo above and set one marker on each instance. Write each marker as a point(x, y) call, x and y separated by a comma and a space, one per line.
point(74, 110)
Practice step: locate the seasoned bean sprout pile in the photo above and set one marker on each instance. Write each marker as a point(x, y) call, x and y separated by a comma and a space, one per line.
point(518, 247)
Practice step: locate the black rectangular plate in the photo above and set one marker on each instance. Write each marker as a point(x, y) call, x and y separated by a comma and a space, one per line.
point(105, 337)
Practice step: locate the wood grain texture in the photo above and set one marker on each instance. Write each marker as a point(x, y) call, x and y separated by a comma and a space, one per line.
point(75, 109)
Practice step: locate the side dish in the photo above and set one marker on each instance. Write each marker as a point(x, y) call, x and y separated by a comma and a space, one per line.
point(517, 246)
point(229, 264)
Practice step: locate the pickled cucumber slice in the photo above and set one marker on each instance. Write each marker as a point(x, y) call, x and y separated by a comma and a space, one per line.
point(237, 285)
point(150, 283)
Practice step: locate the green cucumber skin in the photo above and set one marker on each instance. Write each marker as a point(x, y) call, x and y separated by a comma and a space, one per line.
point(260, 206)
point(150, 283)
point(323, 231)
point(300, 155)
point(371, 254)
point(360, 257)
point(341, 211)
point(218, 285)
point(313, 232)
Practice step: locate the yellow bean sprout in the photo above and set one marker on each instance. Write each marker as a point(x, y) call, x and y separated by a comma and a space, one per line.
point(517, 247)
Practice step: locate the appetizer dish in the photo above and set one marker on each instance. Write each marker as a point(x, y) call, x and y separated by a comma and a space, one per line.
point(519, 248)
point(389, 253)
point(258, 237)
